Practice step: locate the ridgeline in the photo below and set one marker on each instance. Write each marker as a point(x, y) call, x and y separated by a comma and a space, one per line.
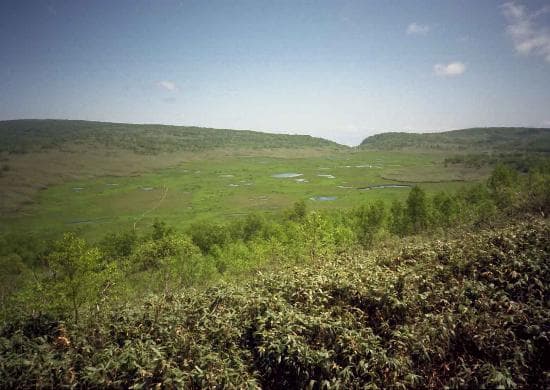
point(24, 136)
point(486, 139)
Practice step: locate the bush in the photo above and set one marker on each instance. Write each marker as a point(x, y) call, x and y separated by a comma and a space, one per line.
point(470, 312)
point(206, 235)
point(369, 222)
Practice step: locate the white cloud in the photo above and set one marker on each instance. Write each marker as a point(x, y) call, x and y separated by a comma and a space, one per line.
point(167, 85)
point(450, 69)
point(418, 29)
point(528, 35)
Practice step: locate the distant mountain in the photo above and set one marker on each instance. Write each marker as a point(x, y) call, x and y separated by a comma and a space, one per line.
point(477, 139)
point(22, 136)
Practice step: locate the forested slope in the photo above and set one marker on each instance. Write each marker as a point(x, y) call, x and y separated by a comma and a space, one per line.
point(23, 136)
point(497, 139)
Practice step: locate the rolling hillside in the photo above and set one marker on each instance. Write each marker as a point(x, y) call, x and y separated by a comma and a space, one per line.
point(497, 139)
point(22, 136)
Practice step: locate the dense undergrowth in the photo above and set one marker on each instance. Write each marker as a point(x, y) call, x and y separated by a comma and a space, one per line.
point(468, 312)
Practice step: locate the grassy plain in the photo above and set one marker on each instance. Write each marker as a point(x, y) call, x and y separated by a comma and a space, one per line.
point(36, 154)
point(94, 177)
point(226, 185)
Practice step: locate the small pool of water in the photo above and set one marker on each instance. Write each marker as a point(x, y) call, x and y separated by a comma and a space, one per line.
point(78, 189)
point(385, 186)
point(147, 188)
point(286, 175)
point(323, 198)
point(328, 176)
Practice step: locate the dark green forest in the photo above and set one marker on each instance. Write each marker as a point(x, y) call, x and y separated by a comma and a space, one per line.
point(496, 139)
point(25, 136)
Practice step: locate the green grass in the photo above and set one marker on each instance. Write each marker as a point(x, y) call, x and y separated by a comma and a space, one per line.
point(225, 187)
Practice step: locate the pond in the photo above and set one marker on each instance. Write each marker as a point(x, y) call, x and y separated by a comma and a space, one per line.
point(286, 175)
point(385, 186)
point(328, 176)
point(323, 198)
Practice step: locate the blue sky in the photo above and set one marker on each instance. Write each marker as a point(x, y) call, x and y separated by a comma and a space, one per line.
point(336, 69)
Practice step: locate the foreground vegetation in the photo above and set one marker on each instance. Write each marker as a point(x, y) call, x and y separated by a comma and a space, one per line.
point(429, 315)
point(308, 298)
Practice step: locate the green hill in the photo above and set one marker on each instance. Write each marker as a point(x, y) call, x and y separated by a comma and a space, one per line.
point(497, 139)
point(23, 136)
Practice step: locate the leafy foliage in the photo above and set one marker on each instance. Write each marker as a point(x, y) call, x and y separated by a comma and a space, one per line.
point(75, 272)
point(429, 315)
point(370, 221)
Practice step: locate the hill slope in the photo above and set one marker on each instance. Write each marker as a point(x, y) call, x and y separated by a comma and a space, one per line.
point(20, 136)
point(476, 139)
point(436, 315)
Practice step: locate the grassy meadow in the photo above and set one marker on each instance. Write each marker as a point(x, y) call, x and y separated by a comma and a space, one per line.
point(223, 187)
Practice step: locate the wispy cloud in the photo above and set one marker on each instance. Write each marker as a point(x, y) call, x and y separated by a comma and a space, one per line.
point(449, 70)
point(167, 85)
point(418, 29)
point(528, 35)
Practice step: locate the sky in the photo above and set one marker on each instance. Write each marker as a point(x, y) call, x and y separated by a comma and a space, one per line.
point(341, 70)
